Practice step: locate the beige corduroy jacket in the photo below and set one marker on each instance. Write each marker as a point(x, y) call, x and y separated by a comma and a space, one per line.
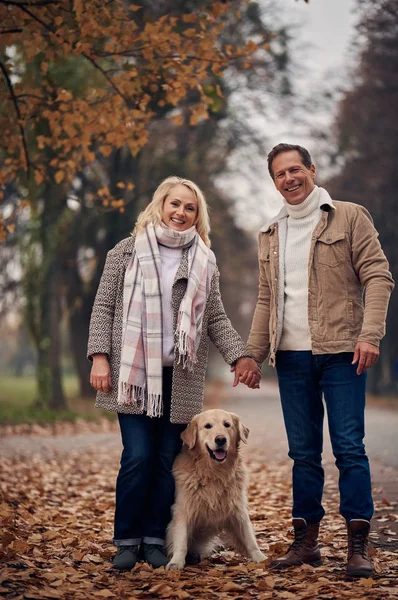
point(106, 327)
point(348, 289)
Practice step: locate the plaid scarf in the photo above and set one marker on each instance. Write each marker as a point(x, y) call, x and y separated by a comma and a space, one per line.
point(140, 376)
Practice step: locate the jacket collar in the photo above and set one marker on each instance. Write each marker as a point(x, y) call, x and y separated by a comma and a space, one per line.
point(182, 271)
point(129, 245)
point(325, 203)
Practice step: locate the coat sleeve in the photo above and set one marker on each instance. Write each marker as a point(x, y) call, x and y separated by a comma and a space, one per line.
point(372, 269)
point(101, 322)
point(220, 330)
point(258, 344)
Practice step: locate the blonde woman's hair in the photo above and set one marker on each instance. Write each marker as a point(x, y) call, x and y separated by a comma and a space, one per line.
point(153, 212)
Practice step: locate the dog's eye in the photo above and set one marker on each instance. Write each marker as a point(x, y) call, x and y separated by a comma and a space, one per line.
point(227, 424)
point(208, 426)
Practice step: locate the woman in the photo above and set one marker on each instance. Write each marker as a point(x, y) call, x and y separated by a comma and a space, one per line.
point(157, 304)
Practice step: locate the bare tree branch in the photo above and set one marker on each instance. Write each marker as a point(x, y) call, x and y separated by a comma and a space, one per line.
point(13, 30)
point(27, 3)
point(15, 103)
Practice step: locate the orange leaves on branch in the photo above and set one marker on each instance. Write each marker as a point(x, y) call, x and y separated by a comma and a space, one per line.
point(59, 176)
point(83, 77)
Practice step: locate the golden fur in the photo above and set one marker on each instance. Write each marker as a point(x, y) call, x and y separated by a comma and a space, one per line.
point(211, 494)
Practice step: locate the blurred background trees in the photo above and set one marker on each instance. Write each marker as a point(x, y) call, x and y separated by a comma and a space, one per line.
point(99, 133)
point(104, 100)
point(365, 150)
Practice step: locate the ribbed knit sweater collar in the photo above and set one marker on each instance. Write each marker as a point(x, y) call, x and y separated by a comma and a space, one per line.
point(311, 203)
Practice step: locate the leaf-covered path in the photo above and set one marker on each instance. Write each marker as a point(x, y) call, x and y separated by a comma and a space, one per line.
point(56, 514)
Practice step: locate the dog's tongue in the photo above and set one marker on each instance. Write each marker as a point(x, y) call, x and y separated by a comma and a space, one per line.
point(220, 454)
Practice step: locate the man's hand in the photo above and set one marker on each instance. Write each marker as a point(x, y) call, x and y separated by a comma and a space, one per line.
point(247, 371)
point(365, 355)
point(100, 377)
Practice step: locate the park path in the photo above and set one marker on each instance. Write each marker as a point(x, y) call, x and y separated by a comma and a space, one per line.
point(261, 412)
point(57, 502)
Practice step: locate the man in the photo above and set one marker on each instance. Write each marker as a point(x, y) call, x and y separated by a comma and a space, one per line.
point(324, 288)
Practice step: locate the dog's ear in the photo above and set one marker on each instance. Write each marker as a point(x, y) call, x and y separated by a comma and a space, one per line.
point(190, 434)
point(243, 431)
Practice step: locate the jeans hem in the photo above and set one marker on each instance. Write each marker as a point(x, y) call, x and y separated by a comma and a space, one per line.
point(153, 540)
point(127, 542)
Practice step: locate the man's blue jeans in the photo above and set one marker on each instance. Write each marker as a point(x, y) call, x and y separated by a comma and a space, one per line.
point(303, 377)
point(145, 484)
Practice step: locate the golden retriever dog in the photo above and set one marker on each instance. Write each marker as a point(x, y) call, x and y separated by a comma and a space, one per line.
point(211, 490)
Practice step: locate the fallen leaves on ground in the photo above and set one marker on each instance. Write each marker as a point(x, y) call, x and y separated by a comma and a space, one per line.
point(56, 518)
point(102, 425)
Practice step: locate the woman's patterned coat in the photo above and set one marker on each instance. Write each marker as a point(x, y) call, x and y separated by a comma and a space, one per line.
point(106, 334)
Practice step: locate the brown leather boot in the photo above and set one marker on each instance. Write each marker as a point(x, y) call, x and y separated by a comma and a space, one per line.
point(358, 561)
point(305, 548)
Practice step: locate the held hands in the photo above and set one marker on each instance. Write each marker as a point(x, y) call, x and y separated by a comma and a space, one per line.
point(365, 355)
point(246, 371)
point(100, 377)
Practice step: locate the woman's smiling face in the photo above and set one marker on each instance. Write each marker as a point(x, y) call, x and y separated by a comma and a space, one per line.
point(180, 208)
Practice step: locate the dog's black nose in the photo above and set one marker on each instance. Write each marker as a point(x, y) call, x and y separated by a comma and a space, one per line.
point(220, 440)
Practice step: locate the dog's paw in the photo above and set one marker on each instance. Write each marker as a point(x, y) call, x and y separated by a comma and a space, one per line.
point(175, 564)
point(258, 556)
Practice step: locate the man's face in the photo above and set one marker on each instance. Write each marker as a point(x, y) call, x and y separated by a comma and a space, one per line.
point(292, 179)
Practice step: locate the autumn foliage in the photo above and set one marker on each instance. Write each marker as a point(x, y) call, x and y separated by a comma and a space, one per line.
point(79, 78)
point(56, 512)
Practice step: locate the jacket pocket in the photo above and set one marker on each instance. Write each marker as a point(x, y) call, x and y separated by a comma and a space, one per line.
point(331, 248)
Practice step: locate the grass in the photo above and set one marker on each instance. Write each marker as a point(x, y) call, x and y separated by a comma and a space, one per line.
point(17, 395)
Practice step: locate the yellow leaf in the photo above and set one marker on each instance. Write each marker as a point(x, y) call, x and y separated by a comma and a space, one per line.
point(105, 150)
point(190, 33)
point(120, 184)
point(231, 587)
point(135, 7)
point(191, 18)
point(266, 583)
point(367, 582)
point(38, 177)
point(59, 176)
point(178, 120)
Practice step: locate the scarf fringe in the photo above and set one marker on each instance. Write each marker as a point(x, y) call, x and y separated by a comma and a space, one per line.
point(134, 395)
point(154, 406)
point(186, 351)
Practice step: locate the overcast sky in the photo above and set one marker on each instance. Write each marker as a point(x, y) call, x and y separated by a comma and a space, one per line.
point(328, 24)
point(322, 38)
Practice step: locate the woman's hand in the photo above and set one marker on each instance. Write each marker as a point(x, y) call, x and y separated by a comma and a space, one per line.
point(248, 372)
point(100, 377)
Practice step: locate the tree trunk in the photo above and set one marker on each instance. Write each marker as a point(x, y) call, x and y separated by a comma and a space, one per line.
point(78, 342)
point(50, 390)
point(43, 294)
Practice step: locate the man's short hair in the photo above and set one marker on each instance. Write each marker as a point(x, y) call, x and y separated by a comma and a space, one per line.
point(305, 155)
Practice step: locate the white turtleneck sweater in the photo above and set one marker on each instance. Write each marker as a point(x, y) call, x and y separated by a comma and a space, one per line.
point(301, 222)
point(170, 259)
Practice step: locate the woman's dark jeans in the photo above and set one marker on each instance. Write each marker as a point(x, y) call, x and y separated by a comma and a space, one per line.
point(145, 484)
point(303, 377)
